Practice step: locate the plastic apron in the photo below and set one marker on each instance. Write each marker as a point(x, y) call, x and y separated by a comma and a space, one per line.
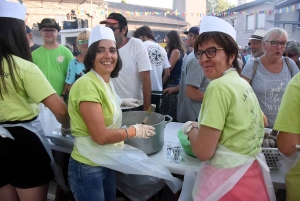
point(35, 126)
point(218, 176)
point(121, 157)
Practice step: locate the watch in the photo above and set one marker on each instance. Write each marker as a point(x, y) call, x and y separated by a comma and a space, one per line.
point(189, 128)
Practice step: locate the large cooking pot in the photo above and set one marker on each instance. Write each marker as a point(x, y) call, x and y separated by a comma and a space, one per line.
point(154, 143)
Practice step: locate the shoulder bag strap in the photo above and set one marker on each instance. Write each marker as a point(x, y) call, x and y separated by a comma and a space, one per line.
point(254, 69)
point(289, 65)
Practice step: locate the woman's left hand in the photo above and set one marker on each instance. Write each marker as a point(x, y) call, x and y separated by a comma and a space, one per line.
point(171, 90)
point(187, 126)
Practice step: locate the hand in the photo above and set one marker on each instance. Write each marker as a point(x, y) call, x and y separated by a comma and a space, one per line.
point(187, 126)
point(130, 102)
point(143, 131)
point(65, 131)
point(171, 90)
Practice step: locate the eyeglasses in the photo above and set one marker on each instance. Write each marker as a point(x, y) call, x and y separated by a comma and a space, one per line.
point(48, 30)
point(81, 42)
point(276, 43)
point(210, 52)
point(289, 55)
point(114, 28)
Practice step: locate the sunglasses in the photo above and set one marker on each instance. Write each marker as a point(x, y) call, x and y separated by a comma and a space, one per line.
point(81, 42)
point(114, 28)
point(289, 55)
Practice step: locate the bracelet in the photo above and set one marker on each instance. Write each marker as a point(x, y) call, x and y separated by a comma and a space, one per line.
point(126, 134)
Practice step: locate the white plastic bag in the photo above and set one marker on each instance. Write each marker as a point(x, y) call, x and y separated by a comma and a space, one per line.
point(47, 119)
point(5, 133)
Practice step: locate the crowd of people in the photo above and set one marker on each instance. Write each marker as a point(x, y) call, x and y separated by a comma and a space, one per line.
point(224, 98)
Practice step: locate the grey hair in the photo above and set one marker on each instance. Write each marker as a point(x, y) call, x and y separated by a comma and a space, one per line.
point(274, 34)
point(293, 46)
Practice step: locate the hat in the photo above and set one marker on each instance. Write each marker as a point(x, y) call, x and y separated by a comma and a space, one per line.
point(258, 35)
point(48, 22)
point(100, 32)
point(12, 10)
point(28, 30)
point(215, 24)
point(114, 18)
point(193, 30)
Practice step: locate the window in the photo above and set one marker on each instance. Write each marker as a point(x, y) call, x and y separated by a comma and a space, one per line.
point(250, 22)
point(260, 21)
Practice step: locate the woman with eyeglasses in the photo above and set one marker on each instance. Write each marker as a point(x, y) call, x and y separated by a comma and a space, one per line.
point(292, 51)
point(228, 136)
point(270, 73)
point(76, 66)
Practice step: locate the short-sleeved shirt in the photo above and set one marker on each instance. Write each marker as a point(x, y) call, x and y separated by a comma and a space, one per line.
point(192, 75)
point(54, 64)
point(87, 89)
point(269, 87)
point(231, 106)
point(34, 47)
point(75, 71)
point(135, 59)
point(33, 88)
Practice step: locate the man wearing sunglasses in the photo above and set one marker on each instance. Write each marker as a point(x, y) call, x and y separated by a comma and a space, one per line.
point(134, 78)
point(255, 43)
point(52, 58)
point(292, 51)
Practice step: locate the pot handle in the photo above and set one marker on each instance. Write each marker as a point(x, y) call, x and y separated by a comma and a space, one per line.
point(168, 116)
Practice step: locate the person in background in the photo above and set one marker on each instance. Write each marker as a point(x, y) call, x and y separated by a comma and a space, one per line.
point(255, 44)
point(273, 72)
point(193, 84)
point(230, 129)
point(175, 51)
point(287, 122)
point(26, 157)
point(292, 50)
point(75, 51)
point(52, 58)
point(96, 118)
point(69, 47)
point(33, 46)
point(76, 66)
point(134, 80)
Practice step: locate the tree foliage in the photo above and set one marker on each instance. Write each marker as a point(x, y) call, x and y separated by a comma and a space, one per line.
point(218, 5)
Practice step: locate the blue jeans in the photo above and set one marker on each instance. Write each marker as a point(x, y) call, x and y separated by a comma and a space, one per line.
point(91, 183)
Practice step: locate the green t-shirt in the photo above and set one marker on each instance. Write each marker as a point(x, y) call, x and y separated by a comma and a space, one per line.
point(54, 64)
point(33, 88)
point(231, 106)
point(87, 88)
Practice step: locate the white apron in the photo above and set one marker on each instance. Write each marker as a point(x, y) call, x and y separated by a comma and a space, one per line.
point(35, 126)
point(121, 157)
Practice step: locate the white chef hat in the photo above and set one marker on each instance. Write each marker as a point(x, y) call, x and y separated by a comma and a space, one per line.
point(12, 10)
point(101, 32)
point(211, 24)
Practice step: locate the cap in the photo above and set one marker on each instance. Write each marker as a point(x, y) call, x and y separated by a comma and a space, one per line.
point(258, 35)
point(194, 30)
point(48, 22)
point(12, 10)
point(215, 24)
point(28, 30)
point(100, 32)
point(114, 18)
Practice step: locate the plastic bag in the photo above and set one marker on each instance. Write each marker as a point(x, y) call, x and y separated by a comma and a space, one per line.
point(187, 186)
point(47, 119)
point(5, 133)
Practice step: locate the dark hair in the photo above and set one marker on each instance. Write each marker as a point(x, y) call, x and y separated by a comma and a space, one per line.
point(89, 60)
point(122, 26)
point(144, 31)
point(224, 40)
point(175, 42)
point(13, 41)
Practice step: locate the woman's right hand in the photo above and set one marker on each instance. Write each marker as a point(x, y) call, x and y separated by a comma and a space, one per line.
point(171, 90)
point(144, 131)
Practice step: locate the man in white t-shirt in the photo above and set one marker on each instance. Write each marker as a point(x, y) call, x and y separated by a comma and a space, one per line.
point(134, 78)
point(158, 58)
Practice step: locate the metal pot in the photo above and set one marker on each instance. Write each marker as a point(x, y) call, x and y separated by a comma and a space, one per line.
point(154, 143)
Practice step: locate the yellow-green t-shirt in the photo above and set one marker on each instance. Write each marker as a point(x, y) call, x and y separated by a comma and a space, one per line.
point(87, 88)
point(231, 106)
point(33, 88)
point(54, 64)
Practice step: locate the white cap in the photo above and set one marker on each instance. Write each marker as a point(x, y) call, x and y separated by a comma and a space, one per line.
point(101, 32)
point(211, 23)
point(12, 10)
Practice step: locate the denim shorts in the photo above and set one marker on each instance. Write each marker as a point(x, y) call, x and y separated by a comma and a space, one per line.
point(91, 183)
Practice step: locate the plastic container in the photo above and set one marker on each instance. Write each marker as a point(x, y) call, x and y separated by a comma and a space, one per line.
point(185, 143)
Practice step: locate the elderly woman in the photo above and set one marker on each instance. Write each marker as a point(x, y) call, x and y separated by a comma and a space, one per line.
point(96, 117)
point(270, 73)
point(25, 170)
point(229, 134)
point(292, 50)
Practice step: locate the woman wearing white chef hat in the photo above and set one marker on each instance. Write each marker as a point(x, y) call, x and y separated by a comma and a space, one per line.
point(230, 130)
point(26, 158)
point(96, 118)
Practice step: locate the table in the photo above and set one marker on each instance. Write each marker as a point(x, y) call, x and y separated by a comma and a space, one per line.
point(278, 176)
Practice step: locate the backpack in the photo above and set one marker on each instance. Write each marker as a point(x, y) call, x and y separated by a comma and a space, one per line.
point(256, 65)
